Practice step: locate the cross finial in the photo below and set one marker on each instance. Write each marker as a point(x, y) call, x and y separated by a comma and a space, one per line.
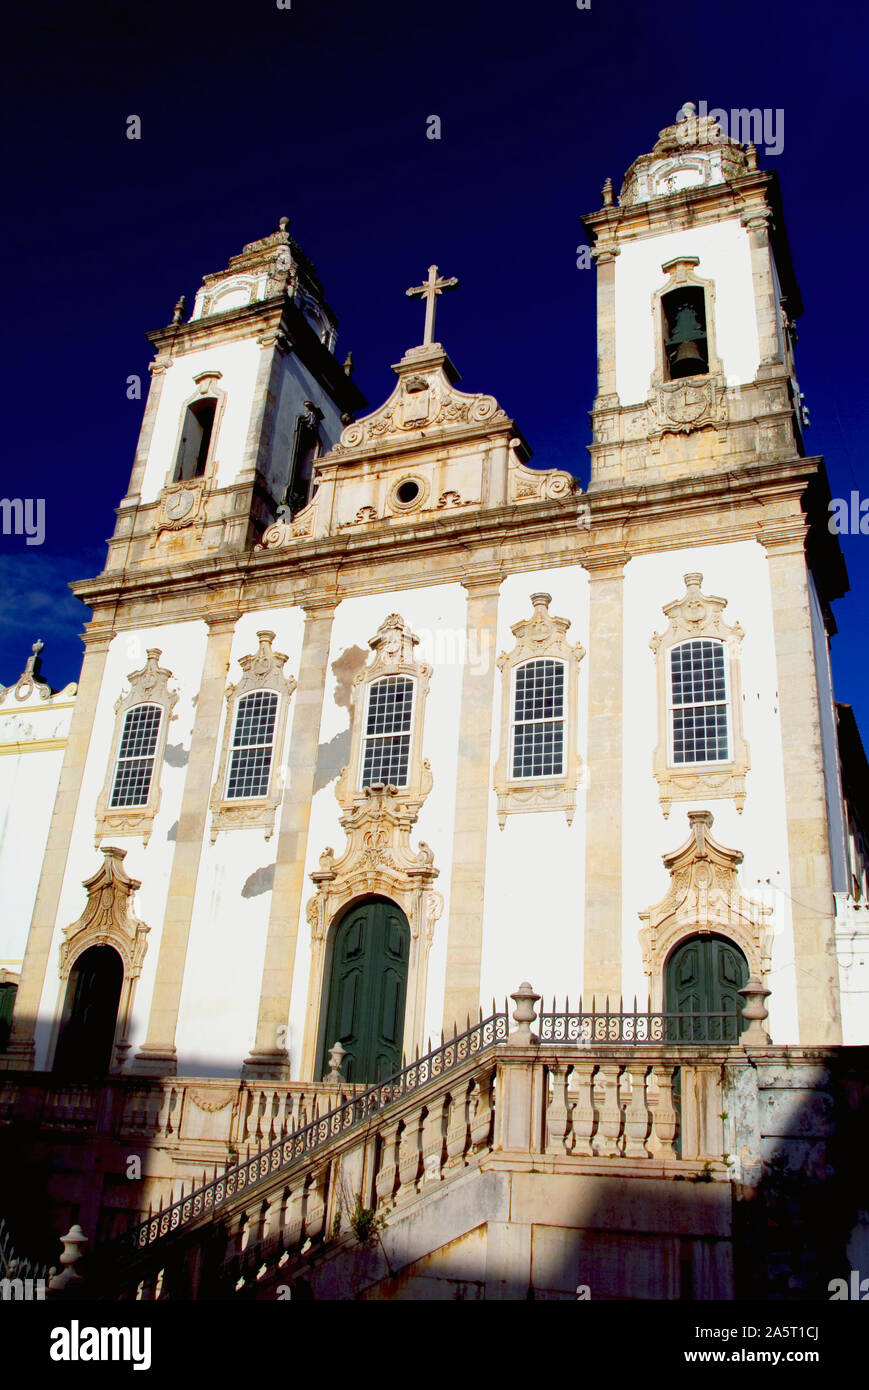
point(429, 291)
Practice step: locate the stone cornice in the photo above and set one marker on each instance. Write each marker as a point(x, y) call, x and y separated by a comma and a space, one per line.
point(761, 502)
point(690, 207)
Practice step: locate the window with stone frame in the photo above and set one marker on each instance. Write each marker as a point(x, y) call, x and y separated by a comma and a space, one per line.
point(130, 797)
point(388, 699)
point(699, 706)
point(701, 751)
point(538, 735)
point(538, 765)
point(386, 740)
point(248, 786)
point(134, 769)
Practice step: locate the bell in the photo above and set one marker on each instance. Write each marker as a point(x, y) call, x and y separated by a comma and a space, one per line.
point(687, 360)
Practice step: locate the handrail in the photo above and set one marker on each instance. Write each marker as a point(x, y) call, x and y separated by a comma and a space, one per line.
point(634, 1026)
point(313, 1135)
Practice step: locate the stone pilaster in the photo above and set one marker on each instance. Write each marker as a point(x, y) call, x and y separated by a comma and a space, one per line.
point(269, 1056)
point(605, 260)
point(473, 793)
point(157, 1055)
point(602, 950)
point(21, 1050)
point(811, 889)
point(757, 225)
point(143, 448)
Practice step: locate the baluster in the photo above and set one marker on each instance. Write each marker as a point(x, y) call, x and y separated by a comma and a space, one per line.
point(253, 1114)
point(482, 1109)
point(294, 1215)
point(664, 1118)
point(458, 1137)
point(315, 1202)
point(636, 1114)
point(582, 1118)
point(410, 1155)
point(433, 1131)
point(387, 1172)
point(556, 1111)
point(163, 1114)
point(609, 1115)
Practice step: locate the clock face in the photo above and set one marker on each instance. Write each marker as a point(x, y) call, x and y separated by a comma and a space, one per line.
point(179, 505)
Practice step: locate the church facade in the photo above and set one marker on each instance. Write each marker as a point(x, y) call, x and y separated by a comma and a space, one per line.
point(377, 719)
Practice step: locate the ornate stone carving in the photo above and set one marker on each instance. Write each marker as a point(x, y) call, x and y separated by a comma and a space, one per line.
point(148, 686)
point(704, 896)
point(537, 484)
point(698, 615)
point(541, 635)
point(691, 403)
point(261, 670)
point(108, 918)
point(394, 647)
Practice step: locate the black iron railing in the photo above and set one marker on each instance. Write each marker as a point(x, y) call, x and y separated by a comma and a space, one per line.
point(309, 1137)
point(637, 1026)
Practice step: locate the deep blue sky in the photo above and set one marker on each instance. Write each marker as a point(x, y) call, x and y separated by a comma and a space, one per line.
point(319, 112)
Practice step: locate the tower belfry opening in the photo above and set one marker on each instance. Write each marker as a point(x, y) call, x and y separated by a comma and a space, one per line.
point(685, 340)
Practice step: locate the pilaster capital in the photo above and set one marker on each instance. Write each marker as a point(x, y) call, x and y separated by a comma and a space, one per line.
point(483, 584)
point(605, 564)
point(318, 607)
point(219, 624)
point(606, 254)
point(757, 220)
point(784, 538)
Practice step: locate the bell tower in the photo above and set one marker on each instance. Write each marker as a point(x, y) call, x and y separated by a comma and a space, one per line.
point(245, 395)
point(696, 306)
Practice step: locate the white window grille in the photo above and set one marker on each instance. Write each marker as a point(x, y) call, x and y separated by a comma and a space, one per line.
point(538, 720)
point(386, 745)
point(699, 722)
point(134, 768)
point(252, 744)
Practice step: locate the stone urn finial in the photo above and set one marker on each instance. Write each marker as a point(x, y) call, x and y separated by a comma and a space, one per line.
point(525, 1012)
point(755, 1010)
point(337, 1053)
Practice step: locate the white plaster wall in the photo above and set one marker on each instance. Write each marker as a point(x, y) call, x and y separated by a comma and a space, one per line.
point(28, 786)
point(725, 258)
point(438, 617)
point(738, 572)
point(237, 362)
point(229, 925)
point(535, 866)
point(182, 648)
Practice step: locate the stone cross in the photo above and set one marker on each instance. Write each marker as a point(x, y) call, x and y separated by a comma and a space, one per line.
point(429, 291)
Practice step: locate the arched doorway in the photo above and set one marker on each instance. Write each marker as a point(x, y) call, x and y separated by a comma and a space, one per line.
point(703, 975)
point(367, 989)
point(87, 1033)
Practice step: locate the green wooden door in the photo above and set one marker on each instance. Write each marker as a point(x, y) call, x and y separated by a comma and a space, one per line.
point(704, 976)
point(367, 990)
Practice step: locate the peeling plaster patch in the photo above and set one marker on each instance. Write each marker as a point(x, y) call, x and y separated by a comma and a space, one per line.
point(176, 755)
point(172, 832)
point(261, 881)
point(346, 667)
point(331, 757)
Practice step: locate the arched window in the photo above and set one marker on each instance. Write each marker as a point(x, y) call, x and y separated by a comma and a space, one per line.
point(386, 741)
point(252, 745)
point(538, 762)
point(196, 435)
point(686, 351)
point(247, 789)
point(306, 448)
point(538, 719)
point(134, 767)
point(130, 797)
point(699, 706)
point(701, 750)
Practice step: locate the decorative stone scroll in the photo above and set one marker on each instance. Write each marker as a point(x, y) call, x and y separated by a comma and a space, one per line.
point(148, 686)
point(541, 635)
point(698, 615)
point(261, 670)
point(704, 896)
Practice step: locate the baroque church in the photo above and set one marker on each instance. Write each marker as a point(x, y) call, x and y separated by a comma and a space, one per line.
point(378, 721)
